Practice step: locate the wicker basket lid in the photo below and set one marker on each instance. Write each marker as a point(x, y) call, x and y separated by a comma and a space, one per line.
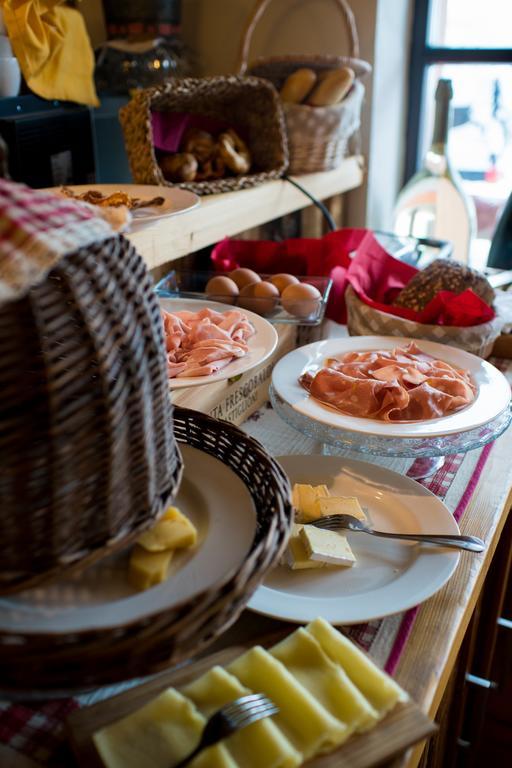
point(36, 230)
point(88, 452)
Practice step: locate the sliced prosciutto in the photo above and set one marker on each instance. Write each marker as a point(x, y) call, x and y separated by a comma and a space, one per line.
point(202, 343)
point(403, 384)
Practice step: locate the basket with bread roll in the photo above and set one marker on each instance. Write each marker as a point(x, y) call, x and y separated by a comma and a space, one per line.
point(322, 95)
point(208, 135)
point(447, 302)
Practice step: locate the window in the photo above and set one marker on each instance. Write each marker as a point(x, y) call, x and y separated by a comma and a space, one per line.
point(468, 41)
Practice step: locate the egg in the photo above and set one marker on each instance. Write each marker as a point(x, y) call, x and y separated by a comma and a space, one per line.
point(301, 299)
point(222, 288)
point(244, 276)
point(283, 280)
point(264, 297)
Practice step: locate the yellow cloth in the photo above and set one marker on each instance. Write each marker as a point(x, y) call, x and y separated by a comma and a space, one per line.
point(53, 49)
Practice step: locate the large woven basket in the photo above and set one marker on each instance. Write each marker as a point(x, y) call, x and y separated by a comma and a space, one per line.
point(64, 661)
point(247, 104)
point(88, 456)
point(317, 136)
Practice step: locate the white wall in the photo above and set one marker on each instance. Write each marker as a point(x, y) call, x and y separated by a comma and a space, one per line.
point(386, 148)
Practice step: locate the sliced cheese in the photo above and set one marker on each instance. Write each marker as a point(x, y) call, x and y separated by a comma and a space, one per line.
point(305, 722)
point(339, 505)
point(326, 546)
point(172, 531)
point(147, 569)
point(159, 735)
point(376, 686)
point(303, 656)
point(296, 556)
point(260, 744)
point(304, 497)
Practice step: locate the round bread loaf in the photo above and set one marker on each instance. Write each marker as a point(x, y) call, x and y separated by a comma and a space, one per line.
point(443, 275)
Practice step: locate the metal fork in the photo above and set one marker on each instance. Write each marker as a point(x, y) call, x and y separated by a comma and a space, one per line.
point(339, 522)
point(230, 718)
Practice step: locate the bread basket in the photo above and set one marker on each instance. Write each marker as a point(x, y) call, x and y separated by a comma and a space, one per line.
point(88, 453)
point(248, 104)
point(364, 320)
point(317, 136)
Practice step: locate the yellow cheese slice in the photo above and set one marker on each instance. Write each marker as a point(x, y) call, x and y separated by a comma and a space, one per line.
point(260, 744)
point(304, 721)
point(326, 681)
point(159, 735)
point(296, 556)
point(376, 686)
point(172, 531)
point(304, 498)
point(339, 505)
point(147, 569)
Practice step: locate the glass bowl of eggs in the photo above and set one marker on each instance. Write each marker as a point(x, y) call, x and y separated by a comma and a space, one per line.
point(280, 298)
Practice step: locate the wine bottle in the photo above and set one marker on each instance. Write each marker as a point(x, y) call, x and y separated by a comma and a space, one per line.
point(500, 253)
point(433, 203)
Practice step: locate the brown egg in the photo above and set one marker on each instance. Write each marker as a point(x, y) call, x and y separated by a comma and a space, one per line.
point(301, 299)
point(244, 276)
point(283, 280)
point(246, 299)
point(221, 288)
point(264, 297)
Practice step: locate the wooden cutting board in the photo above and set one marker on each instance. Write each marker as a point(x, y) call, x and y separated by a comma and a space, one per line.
point(403, 727)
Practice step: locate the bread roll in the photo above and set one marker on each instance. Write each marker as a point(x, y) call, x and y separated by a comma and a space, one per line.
point(199, 143)
point(332, 87)
point(234, 152)
point(443, 275)
point(297, 85)
point(179, 167)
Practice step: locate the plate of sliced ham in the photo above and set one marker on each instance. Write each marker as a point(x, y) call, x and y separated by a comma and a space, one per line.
point(207, 341)
point(391, 387)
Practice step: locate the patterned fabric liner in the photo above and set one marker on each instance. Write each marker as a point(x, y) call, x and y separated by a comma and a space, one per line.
point(36, 230)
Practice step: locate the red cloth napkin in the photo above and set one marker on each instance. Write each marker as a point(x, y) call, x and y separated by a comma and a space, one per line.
point(351, 256)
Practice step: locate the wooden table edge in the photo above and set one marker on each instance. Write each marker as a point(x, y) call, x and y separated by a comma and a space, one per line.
point(434, 694)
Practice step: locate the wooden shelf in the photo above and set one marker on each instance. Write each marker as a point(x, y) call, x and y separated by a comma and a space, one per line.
point(228, 214)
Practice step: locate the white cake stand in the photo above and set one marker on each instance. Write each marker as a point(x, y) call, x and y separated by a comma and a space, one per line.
point(481, 422)
point(431, 449)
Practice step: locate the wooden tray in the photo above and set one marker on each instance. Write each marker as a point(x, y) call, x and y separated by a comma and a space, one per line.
point(403, 727)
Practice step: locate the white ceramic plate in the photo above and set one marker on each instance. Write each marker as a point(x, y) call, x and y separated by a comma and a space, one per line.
point(492, 397)
point(261, 344)
point(217, 502)
point(389, 576)
point(175, 200)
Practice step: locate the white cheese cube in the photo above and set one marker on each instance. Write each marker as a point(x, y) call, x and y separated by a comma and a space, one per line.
point(326, 546)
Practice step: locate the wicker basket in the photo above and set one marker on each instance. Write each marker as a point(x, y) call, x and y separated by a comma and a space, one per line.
point(248, 104)
point(366, 321)
point(88, 453)
point(64, 661)
point(317, 136)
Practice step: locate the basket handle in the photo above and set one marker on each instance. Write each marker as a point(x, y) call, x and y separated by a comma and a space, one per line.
point(259, 10)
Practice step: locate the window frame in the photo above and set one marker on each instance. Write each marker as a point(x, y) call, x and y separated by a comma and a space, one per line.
point(422, 56)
